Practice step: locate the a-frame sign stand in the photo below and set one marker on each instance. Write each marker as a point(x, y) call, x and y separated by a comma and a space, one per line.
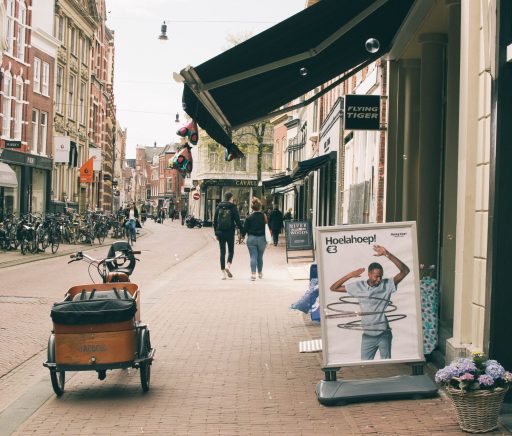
point(331, 391)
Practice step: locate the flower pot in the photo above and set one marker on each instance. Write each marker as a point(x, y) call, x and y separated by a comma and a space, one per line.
point(477, 411)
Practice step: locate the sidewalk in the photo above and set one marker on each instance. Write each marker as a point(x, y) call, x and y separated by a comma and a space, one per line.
point(14, 257)
point(228, 362)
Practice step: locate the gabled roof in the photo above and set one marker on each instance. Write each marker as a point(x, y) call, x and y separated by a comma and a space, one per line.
point(151, 152)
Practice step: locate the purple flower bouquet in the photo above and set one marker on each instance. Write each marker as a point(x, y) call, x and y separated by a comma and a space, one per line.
point(473, 374)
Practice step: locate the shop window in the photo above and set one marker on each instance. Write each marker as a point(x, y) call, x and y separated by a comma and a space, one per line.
point(38, 191)
point(11, 195)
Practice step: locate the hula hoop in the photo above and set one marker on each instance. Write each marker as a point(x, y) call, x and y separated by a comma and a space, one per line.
point(357, 324)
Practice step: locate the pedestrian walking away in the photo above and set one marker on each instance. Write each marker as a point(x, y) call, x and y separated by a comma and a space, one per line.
point(254, 228)
point(226, 219)
point(275, 223)
point(184, 212)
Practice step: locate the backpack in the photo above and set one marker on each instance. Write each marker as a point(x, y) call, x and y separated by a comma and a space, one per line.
point(224, 221)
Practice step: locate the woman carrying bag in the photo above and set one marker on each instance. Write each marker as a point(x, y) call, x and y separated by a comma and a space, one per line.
point(254, 228)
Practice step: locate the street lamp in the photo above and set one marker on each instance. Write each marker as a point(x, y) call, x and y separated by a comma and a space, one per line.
point(163, 32)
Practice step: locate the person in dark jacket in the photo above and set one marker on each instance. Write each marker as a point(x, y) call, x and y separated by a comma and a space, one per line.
point(275, 223)
point(184, 212)
point(254, 227)
point(225, 231)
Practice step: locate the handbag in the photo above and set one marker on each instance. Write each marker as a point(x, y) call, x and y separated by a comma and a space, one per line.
point(268, 235)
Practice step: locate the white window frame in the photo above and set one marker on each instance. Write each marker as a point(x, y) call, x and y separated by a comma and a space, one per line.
point(10, 26)
point(43, 117)
point(7, 105)
point(81, 104)
point(18, 114)
point(71, 96)
point(59, 89)
point(45, 88)
point(20, 43)
point(35, 130)
point(37, 75)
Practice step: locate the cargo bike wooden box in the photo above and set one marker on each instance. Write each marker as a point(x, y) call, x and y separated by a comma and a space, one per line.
point(96, 328)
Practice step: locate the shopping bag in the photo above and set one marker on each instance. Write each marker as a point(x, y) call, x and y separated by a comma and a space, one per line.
point(268, 235)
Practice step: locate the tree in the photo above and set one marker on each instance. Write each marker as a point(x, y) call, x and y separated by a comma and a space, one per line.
point(255, 131)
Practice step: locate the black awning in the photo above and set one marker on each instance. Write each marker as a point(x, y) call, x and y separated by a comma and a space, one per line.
point(306, 166)
point(286, 61)
point(277, 182)
point(303, 169)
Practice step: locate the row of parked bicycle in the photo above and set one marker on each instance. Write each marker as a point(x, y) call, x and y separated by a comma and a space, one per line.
point(33, 233)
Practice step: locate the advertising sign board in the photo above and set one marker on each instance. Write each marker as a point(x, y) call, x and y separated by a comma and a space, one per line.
point(369, 294)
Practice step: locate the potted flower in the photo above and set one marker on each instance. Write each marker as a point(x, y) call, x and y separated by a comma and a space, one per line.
point(477, 387)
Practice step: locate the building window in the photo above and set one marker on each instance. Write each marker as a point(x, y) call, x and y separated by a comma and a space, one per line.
point(58, 89)
point(7, 106)
point(46, 79)
point(84, 51)
point(44, 133)
point(59, 28)
point(72, 40)
point(241, 164)
point(18, 116)
point(37, 75)
point(169, 185)
point(10, 26)
point(94, 121)
point(71, 96)
point(81, 103)
point(35, 130)
point(20, 46)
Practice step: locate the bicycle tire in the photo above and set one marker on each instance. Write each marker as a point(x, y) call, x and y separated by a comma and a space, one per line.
point(55, 246)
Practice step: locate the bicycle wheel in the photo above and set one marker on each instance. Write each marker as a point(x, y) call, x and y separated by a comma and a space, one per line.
point(33, 244)
point(58, 379)
point(24, 247)
point(55, 243)
point(100, 234)
point(44, 240)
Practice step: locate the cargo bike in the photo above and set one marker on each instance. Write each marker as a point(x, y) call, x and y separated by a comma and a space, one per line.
point(97, 327)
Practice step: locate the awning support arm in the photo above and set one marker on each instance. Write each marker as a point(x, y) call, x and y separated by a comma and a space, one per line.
point(201, 87)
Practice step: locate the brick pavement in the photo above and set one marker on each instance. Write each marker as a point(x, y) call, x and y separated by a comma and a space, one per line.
point(227, 362)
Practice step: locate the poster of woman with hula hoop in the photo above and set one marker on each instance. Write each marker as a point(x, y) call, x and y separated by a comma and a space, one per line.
point(369, 292)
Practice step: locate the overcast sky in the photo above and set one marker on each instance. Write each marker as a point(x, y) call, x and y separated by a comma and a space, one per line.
point(146, 96)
